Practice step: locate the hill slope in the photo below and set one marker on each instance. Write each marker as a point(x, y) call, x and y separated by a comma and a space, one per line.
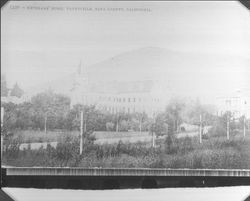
point(181, 73)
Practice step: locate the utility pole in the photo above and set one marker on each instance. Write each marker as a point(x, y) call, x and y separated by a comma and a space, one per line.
point(200, 133)
point(140, 122)
point(153, 131)
point(81, 132)
point(244, 126)
point(117, 126)
point(153, 141)
point(45, 123)
point(176, 125)
point(153, 135)
point(117, 123)
point(85, 125)
point(228, 119)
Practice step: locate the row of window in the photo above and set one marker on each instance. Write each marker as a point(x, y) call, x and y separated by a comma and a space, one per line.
point(129, 100)
point(115, 110)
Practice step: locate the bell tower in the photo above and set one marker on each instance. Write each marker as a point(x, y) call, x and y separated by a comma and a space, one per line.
point(80, 86)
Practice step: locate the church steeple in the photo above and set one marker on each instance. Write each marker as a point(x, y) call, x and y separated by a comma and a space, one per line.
point(81, 78)
point(79, 68)
point(80, 85)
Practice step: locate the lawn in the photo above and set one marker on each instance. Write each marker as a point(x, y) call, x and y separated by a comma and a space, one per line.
point(30, 136)
point(214, 152)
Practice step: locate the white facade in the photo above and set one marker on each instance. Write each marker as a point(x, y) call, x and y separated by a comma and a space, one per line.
point(129, 103)
point(116, 97)
point(238, 105)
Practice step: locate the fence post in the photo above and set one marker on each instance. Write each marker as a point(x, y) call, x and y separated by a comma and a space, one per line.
point(244, 126)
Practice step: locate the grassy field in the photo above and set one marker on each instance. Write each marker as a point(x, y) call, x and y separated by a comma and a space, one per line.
point(101, 137)
point(108, 135)
point(29, 136)
point(214, 152)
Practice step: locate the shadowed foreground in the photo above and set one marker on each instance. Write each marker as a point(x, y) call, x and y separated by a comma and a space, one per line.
point(121, 178)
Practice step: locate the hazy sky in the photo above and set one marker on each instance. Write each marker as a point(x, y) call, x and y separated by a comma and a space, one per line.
point(41, 45)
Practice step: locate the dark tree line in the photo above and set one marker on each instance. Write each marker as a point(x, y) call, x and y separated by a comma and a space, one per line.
point(49, 111)
point(14, 91)
point(45, 110)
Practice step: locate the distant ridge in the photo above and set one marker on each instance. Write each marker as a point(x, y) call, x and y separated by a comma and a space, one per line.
point(182, 73)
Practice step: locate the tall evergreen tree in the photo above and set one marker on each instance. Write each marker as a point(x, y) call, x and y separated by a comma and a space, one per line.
point(4, 89)
point(16, 91)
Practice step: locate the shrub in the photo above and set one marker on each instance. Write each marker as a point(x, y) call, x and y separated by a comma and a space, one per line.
point(217, 152)
point(186, 145)
point(123, 125)
point(13, 147)
point(110, 126)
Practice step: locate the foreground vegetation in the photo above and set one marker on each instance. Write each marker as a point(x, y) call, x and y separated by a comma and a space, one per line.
point(216, 152)
point(49, 118)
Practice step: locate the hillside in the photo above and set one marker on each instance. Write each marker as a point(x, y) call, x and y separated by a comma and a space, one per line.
point(181, 73)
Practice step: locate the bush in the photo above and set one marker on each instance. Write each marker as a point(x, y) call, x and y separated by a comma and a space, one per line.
point(110, 126)
point(123, 125)
point(186, 145)
point(217, 130)
point(125, 161)
point(217, 152)
point(12, 147)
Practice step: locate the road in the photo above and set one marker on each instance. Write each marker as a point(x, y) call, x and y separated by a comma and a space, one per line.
point(123, 139)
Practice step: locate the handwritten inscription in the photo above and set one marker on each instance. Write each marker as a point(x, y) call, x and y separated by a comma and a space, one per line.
point(80, 9)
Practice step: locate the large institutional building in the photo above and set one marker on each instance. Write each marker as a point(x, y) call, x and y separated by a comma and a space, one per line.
point(238, 104)
point(117, 96)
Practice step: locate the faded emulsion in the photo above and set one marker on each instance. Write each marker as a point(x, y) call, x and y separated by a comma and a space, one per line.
point(120, 95)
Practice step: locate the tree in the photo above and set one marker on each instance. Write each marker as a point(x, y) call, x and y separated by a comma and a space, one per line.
point(135, 125)
point(242, 122)
point(4, 89)
point(10, 116)
point(94, 119)
point(18, 116)
point(160, 124)
point(137, 121)
point(110, 126)
point(174, 112)
point(195, 109)
point(25, 114)
point(90, 116)
point(43, 104)
point(117, 119)
point(16, 91)
point(219, 126)
point(123, 125)
point(53, 109)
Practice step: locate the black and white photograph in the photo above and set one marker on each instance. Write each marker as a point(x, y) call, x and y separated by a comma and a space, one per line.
point(125, 100)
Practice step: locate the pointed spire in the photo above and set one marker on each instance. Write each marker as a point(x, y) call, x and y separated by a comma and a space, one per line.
point(79, 69)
